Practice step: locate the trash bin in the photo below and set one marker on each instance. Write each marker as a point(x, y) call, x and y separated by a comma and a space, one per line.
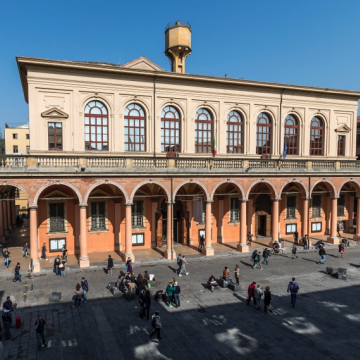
point(1, 250)
point(341, 273)
point(282, 243)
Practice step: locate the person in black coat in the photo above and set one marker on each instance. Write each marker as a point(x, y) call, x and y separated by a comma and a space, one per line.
point(267, 298)
point(147, 304)
point(110, 265)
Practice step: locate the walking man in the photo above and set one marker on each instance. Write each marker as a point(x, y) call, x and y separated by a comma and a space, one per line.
point(179, 263)
point(110, 265)
point(338, 228)
point(201, 242)
point(85, 287)
point(57, 263)
point(257, 259)
point(296, 237)
point(64, 253)
point(40, 328)
point(17, 275)
point(177, 294)
point(322, 253)
point(265, 256)
point(147, 304)
point(7, 319)
point(25, 250)
point(293, 289)
point(249, 238)
point(183, 268)
point(43, 252)
point(293, 252)
point(305, 241)
point(6, 257)
point(156, 324)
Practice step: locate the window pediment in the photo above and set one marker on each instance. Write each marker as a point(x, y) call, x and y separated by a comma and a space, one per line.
point(54, 113)
point(343, 128)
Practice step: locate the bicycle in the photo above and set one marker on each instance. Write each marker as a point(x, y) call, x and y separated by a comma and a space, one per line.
point(277, 252)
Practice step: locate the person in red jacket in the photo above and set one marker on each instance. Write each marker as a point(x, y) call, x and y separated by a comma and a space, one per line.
point(251, 293)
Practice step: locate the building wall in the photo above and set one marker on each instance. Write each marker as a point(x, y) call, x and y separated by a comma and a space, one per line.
point(21, 142)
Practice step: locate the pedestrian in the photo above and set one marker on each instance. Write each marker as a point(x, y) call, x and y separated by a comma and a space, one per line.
point(293, 288)
point(338, 228)
point(296, 237)
point(293, 252)
point(258, 293)
point(110, 265)
point(141, 303)
point(322, 253)
point(85, 288)
point(179, 263)
point(6, 253)
point(25, 250)
point(8, 303)
point(341, 249)
point(251, 293)
point(237, 274)
point(177, 294)
point(266, 254)
point(306, 242)
point(156, 324)
point(201, 243)
point(147, 304)
point(169, 293)
point(57, 263)
point(249, 238)
point(17, 275)
point(183, 266)
point(267, 299)
point(78, 294)
point(7, 320)
point(64, 253)
point(62, 269)
point(40, 328)
point(129, 267)
point(257, 259)
point(43, 252)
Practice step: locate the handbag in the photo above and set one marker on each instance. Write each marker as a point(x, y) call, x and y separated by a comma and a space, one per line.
point(270, 307)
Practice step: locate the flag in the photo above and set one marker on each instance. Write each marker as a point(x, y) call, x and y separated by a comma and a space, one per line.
point(214, 150)
point(285, 150)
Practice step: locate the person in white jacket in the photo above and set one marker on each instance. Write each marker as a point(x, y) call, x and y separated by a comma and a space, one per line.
point(258, 292)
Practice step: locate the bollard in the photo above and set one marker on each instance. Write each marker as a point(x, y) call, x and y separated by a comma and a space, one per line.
point(25, 291)
point(29, 274)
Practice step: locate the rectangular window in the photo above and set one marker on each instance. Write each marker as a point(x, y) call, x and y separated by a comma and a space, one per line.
point(57, 244)
point(291, 207)
point(15, 149)
point(27, 136)
point(57, 221)
point(137, 214)
point(55, 136)
point(341, 205)
point(290, 228)
point(27, 149)
point(15, 136)
point(234, 209)
point(138, 239)
point(316, 226)
point(341, 145)
point(316, 206)
point(98, 216)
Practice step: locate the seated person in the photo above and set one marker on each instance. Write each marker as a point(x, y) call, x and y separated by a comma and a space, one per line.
point(212, 282)
point(123, 286)
point(226, 273)
point(275, 245)
point(139, 280)
point(132, 277)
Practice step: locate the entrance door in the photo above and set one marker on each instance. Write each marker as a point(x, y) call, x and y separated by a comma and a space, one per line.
point(262, 225)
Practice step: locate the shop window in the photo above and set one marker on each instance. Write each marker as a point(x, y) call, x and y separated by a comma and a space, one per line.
point(341, 205)
point(138, 239)
point(98, 216)
point(57, 244)
point(316, 227)
point(291, 207)
point(57, 218)
point(54, 136)
point(316, 206)
point(234, 209)
point(291, 228)
point(137, 214)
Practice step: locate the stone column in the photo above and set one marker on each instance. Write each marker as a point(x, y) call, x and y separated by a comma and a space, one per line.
point(77, 229)
point(128, 232)
point(305, 217)
point(220, 236)
point(190, 207)
point(4, 218)
point(13, 212)
point(2, 228)
point(84, 259)
point(350, 200)
point(250, 215)
point(333, 239)
point(242, 246)
point(34, 251)
point(8, 213)
point(154, 204)
point(275, 220)
point(169, 252)
point(209, 250)
point(117, 234)
point(357, 233)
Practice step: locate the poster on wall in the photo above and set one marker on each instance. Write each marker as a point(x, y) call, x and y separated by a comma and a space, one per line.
point(57, 244)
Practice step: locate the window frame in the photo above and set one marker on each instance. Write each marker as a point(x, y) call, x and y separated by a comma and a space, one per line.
point(234, 133)
point(234, 213)
point(292, 143)
point(130, 126)
point(202, 131)
point(289, 228)
point(341, 205)
point(15, 136)
point(96, 217)
point(264, 131)
point(137, 235)
point(137, 217)
point(56, 135)
point(316, 224)
point(170, 124)
point(54, 228)
point(15, 149)
point(318, 208)
point(317, 147)
point(341, 145)
point(291, 210)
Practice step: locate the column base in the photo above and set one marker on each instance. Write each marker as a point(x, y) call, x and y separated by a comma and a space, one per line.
point(220, 239)
point(208, 251)
point(356, 237)
point(169, 254)
point(131, 256)
point(333, 240)
point(118, 247)
point(243, 248)
point(36, 265)
point(84, 262)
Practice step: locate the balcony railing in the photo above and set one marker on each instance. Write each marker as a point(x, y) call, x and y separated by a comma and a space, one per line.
point(69, 164)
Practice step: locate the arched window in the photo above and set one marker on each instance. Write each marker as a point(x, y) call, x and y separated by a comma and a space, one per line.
point(316, 136)
point(134, 128)
point(203, 131)
point(170, 130)
point(96, 126)
point(263, 134)
point(234, 132)
point(291, 135)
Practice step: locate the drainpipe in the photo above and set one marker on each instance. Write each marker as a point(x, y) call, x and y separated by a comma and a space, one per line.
point(281, 100)
point(154, 120)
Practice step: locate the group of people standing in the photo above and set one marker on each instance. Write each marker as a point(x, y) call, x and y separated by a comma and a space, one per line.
point(81, 291)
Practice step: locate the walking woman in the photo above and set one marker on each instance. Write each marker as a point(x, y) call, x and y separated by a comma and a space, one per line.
point(341, 249)
point(78, 294)
point(237, 273)
point(62, 268)
point(267, 299)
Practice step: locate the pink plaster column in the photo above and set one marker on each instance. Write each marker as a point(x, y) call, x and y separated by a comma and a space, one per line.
point(333, 224)
point(117, 234)
point(350, 201)
point(128, 233)
point(169, 253)
point(357, 235)
point(305, 217)
point(275, 220)
point(220, 236)
point(8, 212)
point(13, 213)
point(84, 259)
point(34, 251)
point(209, 250)
point(4, 218)
point(242, 246)
point(154, 205)
point(77, 229)
point(2, 229)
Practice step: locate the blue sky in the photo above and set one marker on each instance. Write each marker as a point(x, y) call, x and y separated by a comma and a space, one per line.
point(308, 42)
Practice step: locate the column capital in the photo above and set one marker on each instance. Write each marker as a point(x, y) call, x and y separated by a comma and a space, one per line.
point(334, 197)
point(33, 207)
point(243, 200)
point(169, 203)
point(83, 206)
point(306, 198)
point(276, 200)
point(209, 201)
point(129, 204)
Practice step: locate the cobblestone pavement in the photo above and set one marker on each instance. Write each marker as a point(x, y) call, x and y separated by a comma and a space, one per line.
point(217, 325)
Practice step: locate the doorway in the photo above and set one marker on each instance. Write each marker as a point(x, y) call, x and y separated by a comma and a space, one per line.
point(262, 225)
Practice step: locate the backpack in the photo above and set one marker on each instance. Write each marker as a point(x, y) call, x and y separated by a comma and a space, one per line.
point(6, 317)
point(294, 287)
point(253, 256)
point(153, 322)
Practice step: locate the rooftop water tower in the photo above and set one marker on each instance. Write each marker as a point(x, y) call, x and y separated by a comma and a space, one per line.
point(178, 45)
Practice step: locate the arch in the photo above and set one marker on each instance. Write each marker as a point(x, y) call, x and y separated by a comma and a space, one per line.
point(239, 187)
point(242, 111)
point(263, 181)
point(208, 107)
point(19, 187)
point(202, 186)
point(296, 114)
point(103, 182)
point(71, 186)
point(174, 104)
point(297, 181)
point(335, 193)
point(352, 181)
point(102, 99)
point(267, 111)
point(145, 182)
point(139, 102)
